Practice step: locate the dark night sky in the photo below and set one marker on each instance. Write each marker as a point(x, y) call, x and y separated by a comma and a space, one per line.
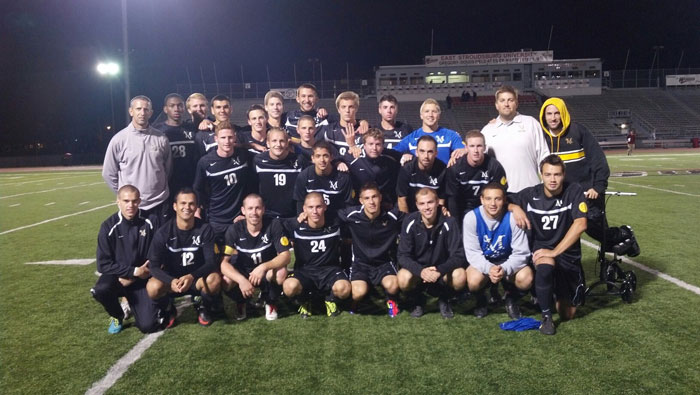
point(50, 48)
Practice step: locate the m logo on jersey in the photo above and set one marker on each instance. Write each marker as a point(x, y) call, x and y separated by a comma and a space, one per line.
point(142, 232)
point(569, 140)
point(296, 164)
point(559, 203)
point(333, 185)
point(188, 135)
point(440, 139)
point(196, 240)
point(484, 174)
point(397, 134)
point(433, 181)
point(265, 239)
point(235, 162)
point(384, 223)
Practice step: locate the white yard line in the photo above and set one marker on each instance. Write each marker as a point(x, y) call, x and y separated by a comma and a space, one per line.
point(81, 262)
point(44, 180)
point(680, 283)
point(83, 203)
point(50, 204)
point(50, 190)
point(55, 219)
point(15, 205)
point(654, 188)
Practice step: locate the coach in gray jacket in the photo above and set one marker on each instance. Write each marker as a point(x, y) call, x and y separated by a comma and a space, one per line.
point(139, 155)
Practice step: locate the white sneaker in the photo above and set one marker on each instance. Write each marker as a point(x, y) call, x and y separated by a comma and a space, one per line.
point(126, 308)
point(241, 311)
point(270, 312)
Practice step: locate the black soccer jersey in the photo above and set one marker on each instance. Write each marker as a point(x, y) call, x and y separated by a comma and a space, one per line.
point(314, 248)
point(383, 170)
point(440, 246)
point(185, 156)
point(204, 141)
point(336, 189)
point(276, 180)
point(307, 153)
point(123, 244)
point(373, 241)
point(552, 217)
point(254, 250)
point(292, 119)
point(396, 134)
point(411, 179)
point(245, 138)
point(175, 252)
point(463, 184)
point(222, 183)
point(333, 133)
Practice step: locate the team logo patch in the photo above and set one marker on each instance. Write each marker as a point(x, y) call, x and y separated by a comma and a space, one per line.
point(142, 232)
point(583, 207)
point(284, 241)
point(503, 181)
point(569, 140)
point(196, 240)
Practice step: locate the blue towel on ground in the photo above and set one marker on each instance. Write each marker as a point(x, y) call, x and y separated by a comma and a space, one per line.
point(523, 324)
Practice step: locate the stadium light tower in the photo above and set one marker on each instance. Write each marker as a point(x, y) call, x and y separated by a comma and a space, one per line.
point(109, 70)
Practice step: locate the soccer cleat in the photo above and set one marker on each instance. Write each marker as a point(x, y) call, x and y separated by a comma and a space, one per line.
point(445, 309)
point(494, 295)
point(203, 317)
point(417, 311)
point(170, 315)
point(270, 312)
point(126, 308)
point(547, 325)
point(241, 311)
point(305, 310)
point(481, 312)
point(481, 309)
point(513, 309)
point(115, 325)
point(332, 309)
point(392, 308)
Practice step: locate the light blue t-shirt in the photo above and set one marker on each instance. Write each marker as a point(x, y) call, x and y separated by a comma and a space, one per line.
point(447, 141)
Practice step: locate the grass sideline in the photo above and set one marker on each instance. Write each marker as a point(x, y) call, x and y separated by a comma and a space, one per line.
point(53, 336)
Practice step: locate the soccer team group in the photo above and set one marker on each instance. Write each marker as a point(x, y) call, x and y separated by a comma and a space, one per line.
point(208, 208)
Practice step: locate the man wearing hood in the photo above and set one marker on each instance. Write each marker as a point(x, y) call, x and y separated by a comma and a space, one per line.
point(586, 165)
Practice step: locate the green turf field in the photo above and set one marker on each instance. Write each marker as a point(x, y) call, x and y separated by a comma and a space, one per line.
point(53, 336)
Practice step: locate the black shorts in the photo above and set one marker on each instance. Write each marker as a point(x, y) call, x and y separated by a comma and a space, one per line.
point(219, 235)
point(569, 281)
point(319, 278)
point(371, 274)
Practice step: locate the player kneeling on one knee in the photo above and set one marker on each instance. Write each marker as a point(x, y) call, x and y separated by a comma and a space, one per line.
point(256, 251)
point(557, 212)
point(374, 233)
point(183, 262)
point(316, 266)
point(497, 251)
point(431, 255)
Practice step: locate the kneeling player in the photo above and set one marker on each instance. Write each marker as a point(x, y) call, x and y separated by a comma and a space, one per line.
point(431, 255)
point(316, 268)
point(557, 212)
point(496, 249)
point(256, 249)
point(374, 232)
point(182, 260)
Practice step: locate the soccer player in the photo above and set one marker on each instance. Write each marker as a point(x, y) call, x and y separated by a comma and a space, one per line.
point(122, 251)
point(221, 110)
point(447, 140)
point(375, 167)
point(183, 262)
point(255, 139)
point(421, 172)
point(277, 170)
point(334, 186)
point(342, 133)
point(557, 212)
point(496, 249)
point(307, 96)
point(430, 255)
point(394, 131)
point(465, 179)
point(316, 266)
point(182, 145)
point(585, 164)
point(256, 249)
point(274, 105)
point(224, 177)
point(374, 233)
point(139, 155)
point(516, 140)
point(306, 128)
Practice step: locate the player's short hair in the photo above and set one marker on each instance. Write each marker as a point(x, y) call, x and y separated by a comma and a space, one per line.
point(390, 99)
point(553, 160)
point(430, 101)
point(221, 98)
point(470, 134)
point(223, 126)
point(255, 107)
point(307, 85)
point(193, 96)
point(348, 95)
point(186, 191)
point(275, 129)
point(254, 196)
point(306, 118)
point(369, 185)
point(129, 189)
point(493, 185)
point(426, 191)
point(314, 195)
point(428, 138)
point(322, 144)
point(171, 96)
point(507, 89)
point(374, 133)
point(140, 97)
point(269, 95)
